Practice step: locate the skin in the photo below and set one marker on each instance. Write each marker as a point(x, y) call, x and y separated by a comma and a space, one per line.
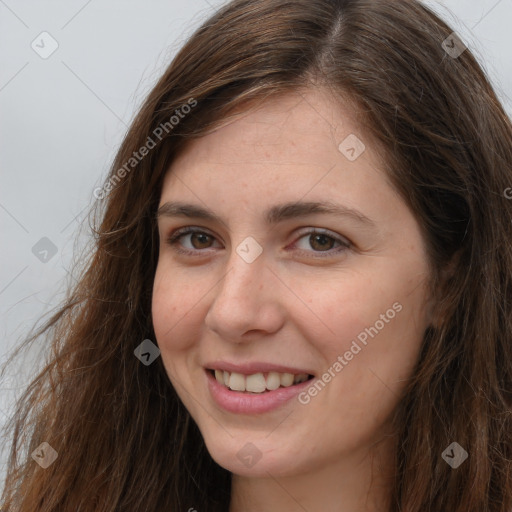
point(291, 305)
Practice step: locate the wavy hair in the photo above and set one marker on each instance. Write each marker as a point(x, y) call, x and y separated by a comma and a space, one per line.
point(125, 442)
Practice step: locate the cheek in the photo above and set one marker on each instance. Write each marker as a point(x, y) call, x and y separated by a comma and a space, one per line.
point(339, 311)
point(174, 309)
point(173, 319)
point(367, 366)
point(375, 322)
point(163, 308)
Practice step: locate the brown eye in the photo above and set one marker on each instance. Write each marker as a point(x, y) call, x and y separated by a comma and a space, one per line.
point(322, 242)
point(197, 241)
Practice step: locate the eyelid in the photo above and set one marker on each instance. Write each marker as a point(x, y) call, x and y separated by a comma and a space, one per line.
point(173, 238)
point(323, 231)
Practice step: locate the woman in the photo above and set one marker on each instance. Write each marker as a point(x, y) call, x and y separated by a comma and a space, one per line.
point(216, 356)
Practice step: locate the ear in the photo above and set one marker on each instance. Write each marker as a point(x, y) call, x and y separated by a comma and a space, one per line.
point(436, 320)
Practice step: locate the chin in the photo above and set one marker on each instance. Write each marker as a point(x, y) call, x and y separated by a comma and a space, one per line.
point(248, 456)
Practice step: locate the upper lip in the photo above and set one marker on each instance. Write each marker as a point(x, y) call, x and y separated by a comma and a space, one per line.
point(250, 368)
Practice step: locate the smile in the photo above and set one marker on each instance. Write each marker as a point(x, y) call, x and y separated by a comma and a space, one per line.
point(254, 393)
point(258, 382)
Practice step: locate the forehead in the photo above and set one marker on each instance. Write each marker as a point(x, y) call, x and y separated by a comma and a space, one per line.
point(281, 139)
point(306, 116)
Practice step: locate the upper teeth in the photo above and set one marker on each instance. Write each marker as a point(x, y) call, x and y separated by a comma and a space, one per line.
point(258, 382)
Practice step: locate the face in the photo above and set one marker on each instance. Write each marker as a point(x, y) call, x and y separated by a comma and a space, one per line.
point(260, 290)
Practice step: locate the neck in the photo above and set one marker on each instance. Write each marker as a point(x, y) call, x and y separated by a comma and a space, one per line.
point(360, 482)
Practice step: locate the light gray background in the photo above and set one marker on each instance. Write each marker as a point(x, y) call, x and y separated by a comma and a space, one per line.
point(62, 119)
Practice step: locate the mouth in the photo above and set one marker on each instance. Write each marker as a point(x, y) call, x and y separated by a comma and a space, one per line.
point(257, 383)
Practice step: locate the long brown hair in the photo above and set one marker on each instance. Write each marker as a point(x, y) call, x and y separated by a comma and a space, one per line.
point(124, 440)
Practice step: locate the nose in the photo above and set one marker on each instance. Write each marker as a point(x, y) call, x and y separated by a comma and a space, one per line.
point(246, 301)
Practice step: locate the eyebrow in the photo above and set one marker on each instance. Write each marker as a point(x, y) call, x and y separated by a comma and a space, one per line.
point(274, 215)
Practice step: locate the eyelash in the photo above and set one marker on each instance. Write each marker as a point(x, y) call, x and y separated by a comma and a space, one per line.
point(172, 240)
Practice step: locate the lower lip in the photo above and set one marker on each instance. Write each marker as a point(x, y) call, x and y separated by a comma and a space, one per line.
point(252, 403)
